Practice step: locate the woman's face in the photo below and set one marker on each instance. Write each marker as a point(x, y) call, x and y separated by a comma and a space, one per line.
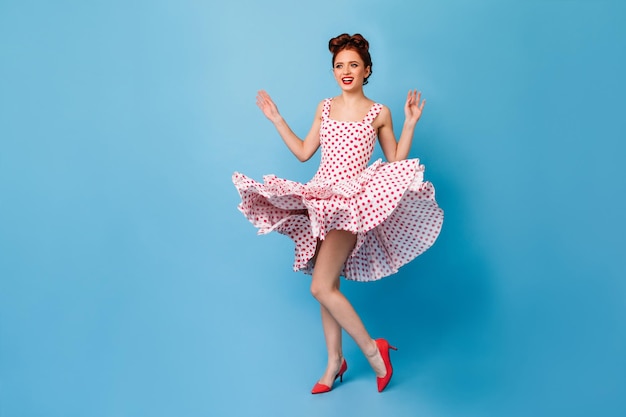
point(349, 70)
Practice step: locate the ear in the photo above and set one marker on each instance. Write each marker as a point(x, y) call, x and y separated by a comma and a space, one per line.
point(368, 71)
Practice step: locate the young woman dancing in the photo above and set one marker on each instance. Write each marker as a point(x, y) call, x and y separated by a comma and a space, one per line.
point(353, 220)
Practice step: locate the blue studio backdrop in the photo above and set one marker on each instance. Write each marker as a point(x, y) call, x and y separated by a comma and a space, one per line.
point(130, 285)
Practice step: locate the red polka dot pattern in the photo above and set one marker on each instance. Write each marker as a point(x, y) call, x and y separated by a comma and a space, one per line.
point(389, 206)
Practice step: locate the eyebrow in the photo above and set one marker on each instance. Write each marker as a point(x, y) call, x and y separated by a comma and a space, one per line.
point(349, 62)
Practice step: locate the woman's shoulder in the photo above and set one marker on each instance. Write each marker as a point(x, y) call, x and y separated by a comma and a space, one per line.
point(325, 102)
point(322, 105)
point(383, 117)
point(384, 110)
point(323, 108)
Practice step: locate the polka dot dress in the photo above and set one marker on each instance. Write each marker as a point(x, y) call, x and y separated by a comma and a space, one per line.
point(389, 206)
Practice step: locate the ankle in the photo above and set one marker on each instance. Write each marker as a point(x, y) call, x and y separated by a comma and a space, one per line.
point(335, 359)
point(372, 350)
point(333, 354)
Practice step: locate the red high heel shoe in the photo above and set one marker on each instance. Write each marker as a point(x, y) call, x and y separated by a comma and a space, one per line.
point(321, 388)
point(383, 348)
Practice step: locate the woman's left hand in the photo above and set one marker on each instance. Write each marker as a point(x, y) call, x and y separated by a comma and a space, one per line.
point(413, 107)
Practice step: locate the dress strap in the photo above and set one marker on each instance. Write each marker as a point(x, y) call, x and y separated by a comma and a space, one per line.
point(326, 109)
point(371, 115)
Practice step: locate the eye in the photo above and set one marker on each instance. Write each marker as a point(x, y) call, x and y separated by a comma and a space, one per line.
point(354, 65)
point(338, 66)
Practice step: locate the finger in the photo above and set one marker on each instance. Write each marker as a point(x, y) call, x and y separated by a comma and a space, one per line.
point(263, 100)
point(263, 94)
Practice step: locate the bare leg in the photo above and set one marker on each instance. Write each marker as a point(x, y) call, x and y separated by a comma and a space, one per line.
point(332, 254)
point(332, 334)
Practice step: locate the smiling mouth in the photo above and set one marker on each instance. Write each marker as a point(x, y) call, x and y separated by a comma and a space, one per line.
point(347, 80)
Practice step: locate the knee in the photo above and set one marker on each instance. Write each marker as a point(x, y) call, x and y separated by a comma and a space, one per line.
point(321, 290)
point(316, 290)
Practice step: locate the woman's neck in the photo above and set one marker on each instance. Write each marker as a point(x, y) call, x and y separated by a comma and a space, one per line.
point(352, 98)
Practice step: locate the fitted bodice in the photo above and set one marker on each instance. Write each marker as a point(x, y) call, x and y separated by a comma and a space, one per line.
point(346, 146)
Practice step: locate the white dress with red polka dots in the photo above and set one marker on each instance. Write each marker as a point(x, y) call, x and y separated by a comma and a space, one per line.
point(388, 206)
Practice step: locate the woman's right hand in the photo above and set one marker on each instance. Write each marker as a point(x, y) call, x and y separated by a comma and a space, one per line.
point(267, 106)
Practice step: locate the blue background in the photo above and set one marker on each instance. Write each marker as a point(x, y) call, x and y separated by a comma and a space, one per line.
point(131, 286)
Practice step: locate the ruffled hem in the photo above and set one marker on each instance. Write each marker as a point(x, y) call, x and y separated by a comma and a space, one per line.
point(388, 206)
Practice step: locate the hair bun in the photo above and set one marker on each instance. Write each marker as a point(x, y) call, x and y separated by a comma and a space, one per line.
point(345, 40)
point(359, 41)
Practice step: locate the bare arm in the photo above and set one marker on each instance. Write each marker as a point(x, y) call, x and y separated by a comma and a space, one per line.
point(397, 151)
point(303, 149)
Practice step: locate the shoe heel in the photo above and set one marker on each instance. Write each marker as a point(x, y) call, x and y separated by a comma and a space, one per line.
point(342, 370)
point(393, 347)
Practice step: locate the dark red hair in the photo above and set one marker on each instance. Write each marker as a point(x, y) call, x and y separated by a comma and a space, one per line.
point(356, 43)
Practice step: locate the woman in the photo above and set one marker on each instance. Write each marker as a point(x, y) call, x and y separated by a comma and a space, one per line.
point(349, 220)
